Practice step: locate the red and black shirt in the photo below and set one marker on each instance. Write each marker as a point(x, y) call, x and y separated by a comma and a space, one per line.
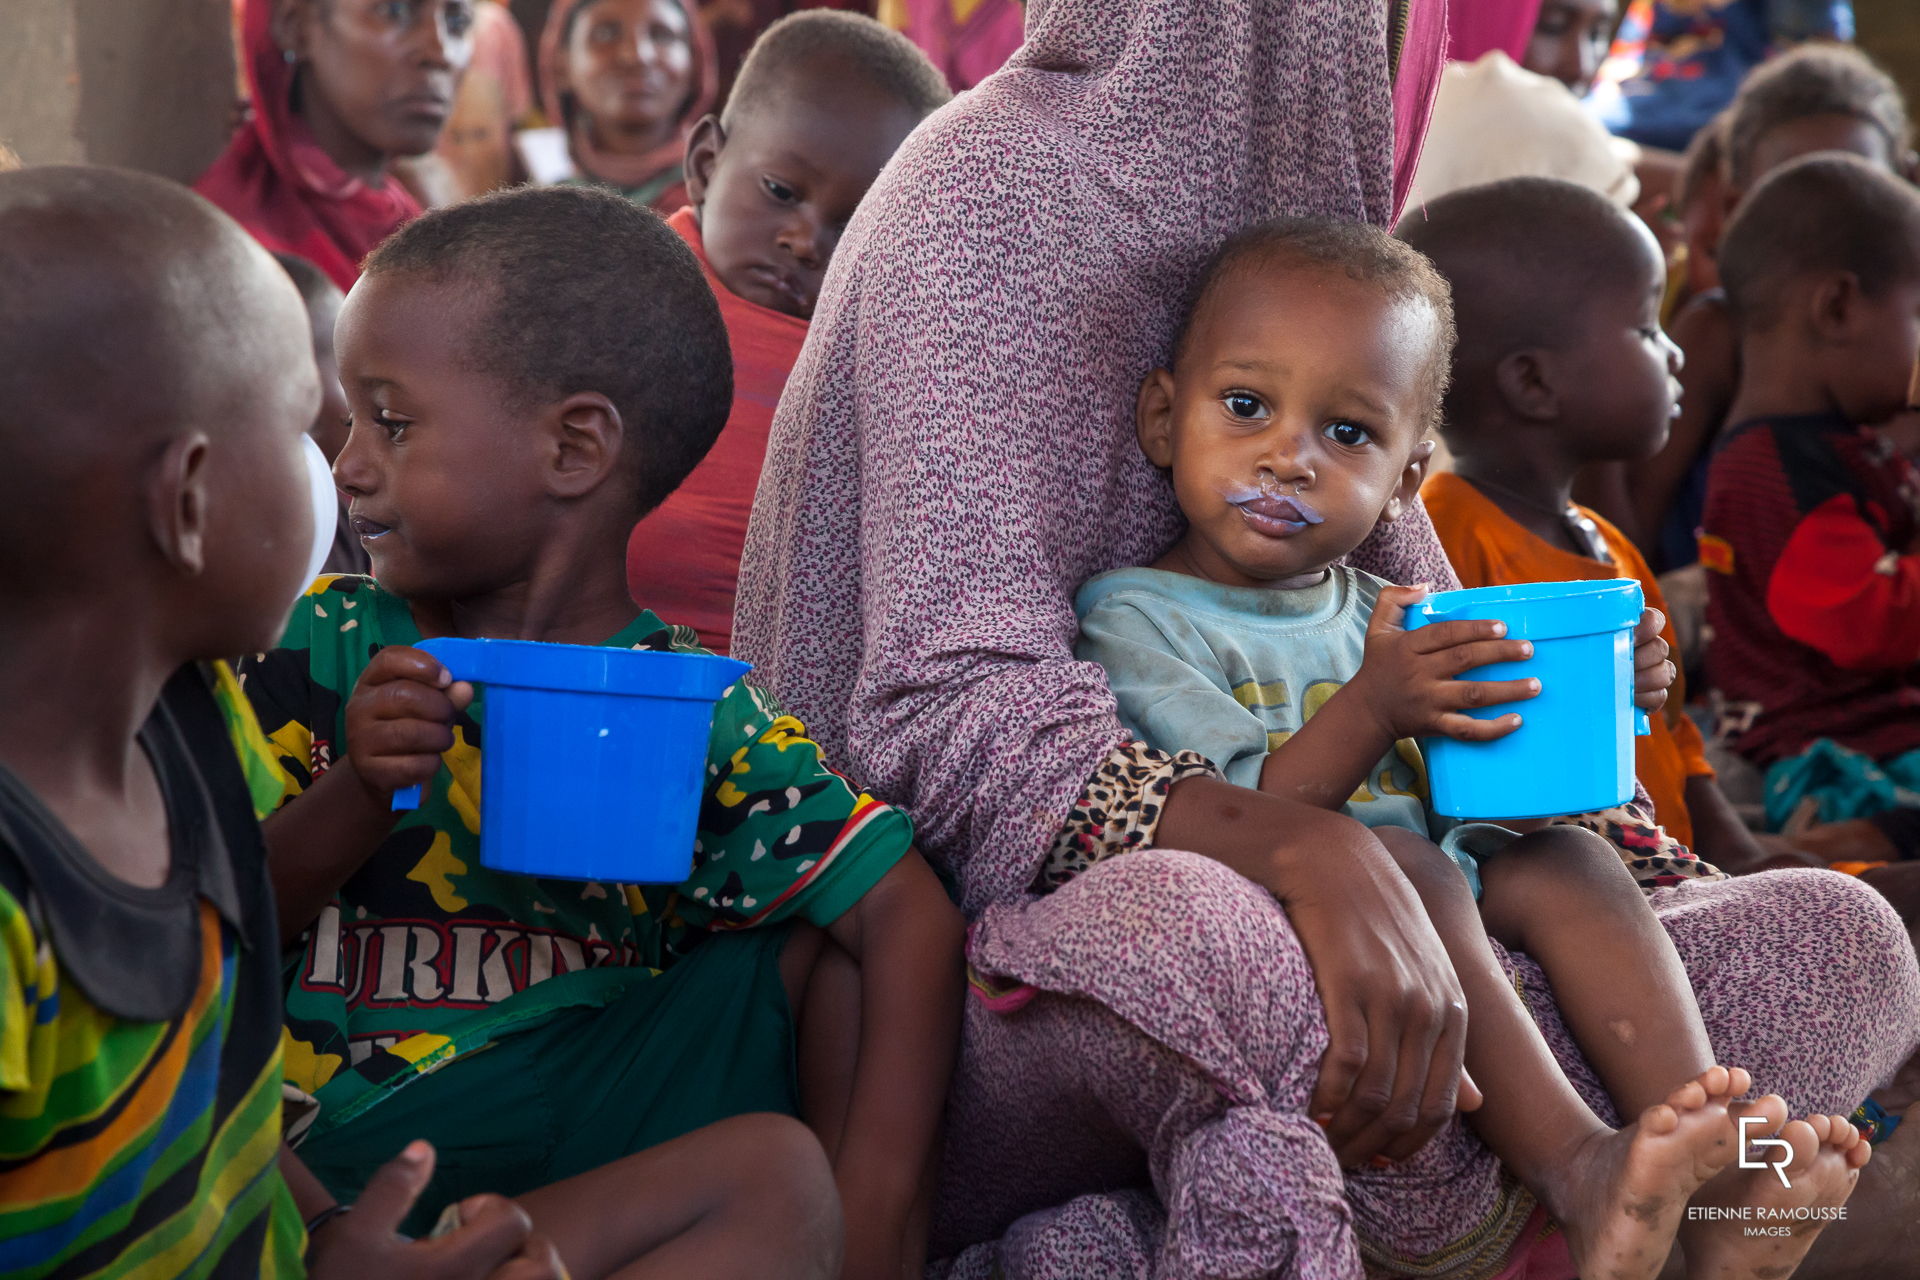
point(1809, 538)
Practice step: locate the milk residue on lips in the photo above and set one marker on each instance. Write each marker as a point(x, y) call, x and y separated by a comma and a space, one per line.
point(1272, 500)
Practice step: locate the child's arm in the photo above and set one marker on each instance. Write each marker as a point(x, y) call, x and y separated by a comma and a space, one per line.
point(1838, 588)
point(1405, 688)
point(907, 938)
point(783, 836)
point(398, 721)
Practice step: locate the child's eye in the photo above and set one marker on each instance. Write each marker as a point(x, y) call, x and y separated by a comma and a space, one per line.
point(397, 12)
point(1351, 434)
point(394, 427)
point(779, 191)
point(1242, 405)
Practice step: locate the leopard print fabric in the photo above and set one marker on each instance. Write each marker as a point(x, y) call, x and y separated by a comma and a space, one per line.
point(1655, 858)
point(1120, 809)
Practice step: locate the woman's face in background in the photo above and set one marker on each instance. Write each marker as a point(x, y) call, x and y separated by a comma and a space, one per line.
point(1570, 40)
point(381, 74)
point(629, 65)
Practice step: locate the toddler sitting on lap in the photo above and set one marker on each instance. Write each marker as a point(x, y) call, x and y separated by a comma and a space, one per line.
point(1294, 420)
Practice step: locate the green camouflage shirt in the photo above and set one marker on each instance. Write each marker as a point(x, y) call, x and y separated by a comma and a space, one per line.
point(425, 955)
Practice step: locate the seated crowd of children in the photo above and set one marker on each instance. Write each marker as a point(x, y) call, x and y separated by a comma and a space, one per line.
point(256, 1021)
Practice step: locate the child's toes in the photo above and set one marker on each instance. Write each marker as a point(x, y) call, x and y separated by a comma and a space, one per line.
point(1690, 1096)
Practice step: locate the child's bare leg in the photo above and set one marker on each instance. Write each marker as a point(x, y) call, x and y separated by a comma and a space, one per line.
point(1562, 896)
point(1619, 1195)
point(823, 988)
point(746, 1198)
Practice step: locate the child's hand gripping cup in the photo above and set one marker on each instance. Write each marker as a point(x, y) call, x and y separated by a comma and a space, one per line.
point(1573, 752)
point(595, 758)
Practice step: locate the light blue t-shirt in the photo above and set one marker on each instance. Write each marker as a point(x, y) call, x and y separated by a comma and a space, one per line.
point(1233, 672)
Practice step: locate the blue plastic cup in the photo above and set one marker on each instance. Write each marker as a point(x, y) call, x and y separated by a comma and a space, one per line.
point(1573, 751)
point(595, 758)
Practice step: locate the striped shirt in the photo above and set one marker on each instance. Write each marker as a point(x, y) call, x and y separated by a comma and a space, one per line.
point(140, 1055)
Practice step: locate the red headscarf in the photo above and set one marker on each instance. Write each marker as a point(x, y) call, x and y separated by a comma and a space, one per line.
point(628, 172)
point(277, 182)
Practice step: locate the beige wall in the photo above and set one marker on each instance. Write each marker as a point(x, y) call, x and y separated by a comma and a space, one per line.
point(1890, 30)
point(142, 83)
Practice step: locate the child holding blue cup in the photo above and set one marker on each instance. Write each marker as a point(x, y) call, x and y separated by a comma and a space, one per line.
point(1293, 421)
point(529, 373)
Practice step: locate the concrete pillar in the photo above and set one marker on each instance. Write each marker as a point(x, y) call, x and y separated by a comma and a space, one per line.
point(147, 84)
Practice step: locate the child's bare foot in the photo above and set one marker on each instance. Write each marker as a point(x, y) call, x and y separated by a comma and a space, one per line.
point(1624, 1193)
point(1782, 1206)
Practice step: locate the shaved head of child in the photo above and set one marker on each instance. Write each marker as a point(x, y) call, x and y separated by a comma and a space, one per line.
point(156, 379)
point(1557, 293)
point(823, 101)
point(1822, 271)
point(1821, 97)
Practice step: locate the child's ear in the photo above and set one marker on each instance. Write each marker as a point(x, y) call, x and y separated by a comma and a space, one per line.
point(1153, 418)
point(177, 504)
point(704, 146)
point(1525, 380)
point(587, 444)
point(1834, 307)
point(1412, 476)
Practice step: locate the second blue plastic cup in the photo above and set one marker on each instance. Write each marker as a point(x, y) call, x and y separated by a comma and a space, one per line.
point(1573, 752)
point(594, 759)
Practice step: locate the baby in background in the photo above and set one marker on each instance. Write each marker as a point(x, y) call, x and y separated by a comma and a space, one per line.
point(823, 102)
point(1293, 420)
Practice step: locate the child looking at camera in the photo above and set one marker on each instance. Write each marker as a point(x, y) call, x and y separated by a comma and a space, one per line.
point(1293, 420)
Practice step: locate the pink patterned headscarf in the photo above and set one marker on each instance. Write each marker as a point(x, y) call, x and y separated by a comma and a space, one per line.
point(955, 451)
point(1476, 28)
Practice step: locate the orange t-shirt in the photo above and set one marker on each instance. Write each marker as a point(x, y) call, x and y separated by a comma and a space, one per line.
point(683, 559)
point(1489, 548)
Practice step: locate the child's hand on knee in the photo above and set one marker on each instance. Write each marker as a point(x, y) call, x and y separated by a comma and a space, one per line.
point(400, 718)
point(495, 1239)
point(1408, 678)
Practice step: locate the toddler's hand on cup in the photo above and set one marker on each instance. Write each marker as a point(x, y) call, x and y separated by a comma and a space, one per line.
point(1408, 677)
point(1653, 674)
point(400, 718)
